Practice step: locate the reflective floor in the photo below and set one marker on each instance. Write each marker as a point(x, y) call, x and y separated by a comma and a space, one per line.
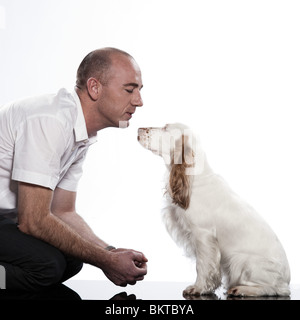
point(146, 290)
point(105, 290)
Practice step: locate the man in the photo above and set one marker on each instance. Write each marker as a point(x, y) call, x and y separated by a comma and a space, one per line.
point(43, 142)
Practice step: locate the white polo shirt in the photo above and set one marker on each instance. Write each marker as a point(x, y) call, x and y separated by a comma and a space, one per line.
point(43, 141)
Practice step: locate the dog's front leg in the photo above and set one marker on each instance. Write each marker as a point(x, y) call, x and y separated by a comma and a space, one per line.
point(208, 259)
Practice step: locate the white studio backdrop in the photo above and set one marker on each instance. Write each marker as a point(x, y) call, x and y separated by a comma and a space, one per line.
point(229, 69)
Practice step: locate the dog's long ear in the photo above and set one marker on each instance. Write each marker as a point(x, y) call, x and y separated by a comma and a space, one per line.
point(179, 181)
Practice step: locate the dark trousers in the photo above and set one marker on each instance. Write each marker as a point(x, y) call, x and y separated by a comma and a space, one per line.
point(31, 264)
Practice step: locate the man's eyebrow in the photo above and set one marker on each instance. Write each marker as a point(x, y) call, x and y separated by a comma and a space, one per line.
point(132, 84)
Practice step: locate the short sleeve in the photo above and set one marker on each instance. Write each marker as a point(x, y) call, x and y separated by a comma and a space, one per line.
point(70, 179)
point(39, 145)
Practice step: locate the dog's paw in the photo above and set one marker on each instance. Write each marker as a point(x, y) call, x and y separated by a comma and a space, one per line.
point(192, 291)
point(244, 291)
point(235, 291)
point(195, 291)
point(251, 291)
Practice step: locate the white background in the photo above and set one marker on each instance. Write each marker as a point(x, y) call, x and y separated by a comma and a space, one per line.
point(230, 69)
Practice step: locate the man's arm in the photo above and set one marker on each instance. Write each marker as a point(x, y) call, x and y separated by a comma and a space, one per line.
point(36, 219)
point(63, 206)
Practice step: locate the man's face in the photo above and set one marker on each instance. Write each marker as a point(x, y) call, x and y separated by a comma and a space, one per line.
point(121, 96)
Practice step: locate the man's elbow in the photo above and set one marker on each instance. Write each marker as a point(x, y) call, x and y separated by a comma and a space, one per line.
point(26, 228)
point(30, 227)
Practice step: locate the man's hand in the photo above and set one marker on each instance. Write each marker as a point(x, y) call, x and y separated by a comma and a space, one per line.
point(126, 267)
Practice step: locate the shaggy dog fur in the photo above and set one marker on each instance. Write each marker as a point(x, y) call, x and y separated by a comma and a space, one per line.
point(226, 235)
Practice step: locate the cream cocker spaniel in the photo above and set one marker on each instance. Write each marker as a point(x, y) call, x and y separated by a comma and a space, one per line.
point(226, 235)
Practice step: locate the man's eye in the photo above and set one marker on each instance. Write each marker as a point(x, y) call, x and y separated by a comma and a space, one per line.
point(129, 91)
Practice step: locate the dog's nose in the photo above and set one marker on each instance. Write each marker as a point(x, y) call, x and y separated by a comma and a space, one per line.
point(140, 133)
point(143, 130)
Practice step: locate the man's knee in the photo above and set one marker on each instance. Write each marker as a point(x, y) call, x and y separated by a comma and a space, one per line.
point(42, 274)
point(47, 273)
point(57, 270)
point(73, 267)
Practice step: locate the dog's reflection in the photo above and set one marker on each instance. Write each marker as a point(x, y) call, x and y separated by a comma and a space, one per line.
point(224, 296)
point(202, 297)
point(259, 298)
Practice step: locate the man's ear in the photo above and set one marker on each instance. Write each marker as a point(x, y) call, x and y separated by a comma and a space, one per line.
point(94, 88)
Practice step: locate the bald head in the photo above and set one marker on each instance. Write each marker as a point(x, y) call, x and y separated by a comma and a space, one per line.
point(97, 64)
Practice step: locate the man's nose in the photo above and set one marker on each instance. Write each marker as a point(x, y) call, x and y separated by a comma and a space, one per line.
point(137, 100)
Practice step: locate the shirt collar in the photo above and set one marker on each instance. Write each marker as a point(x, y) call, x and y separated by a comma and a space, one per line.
point(80, 129)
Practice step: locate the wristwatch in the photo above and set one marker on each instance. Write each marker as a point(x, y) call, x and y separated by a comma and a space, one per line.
point(109, 248)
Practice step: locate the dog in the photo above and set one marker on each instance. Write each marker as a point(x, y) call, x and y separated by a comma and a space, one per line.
point(231, 242)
